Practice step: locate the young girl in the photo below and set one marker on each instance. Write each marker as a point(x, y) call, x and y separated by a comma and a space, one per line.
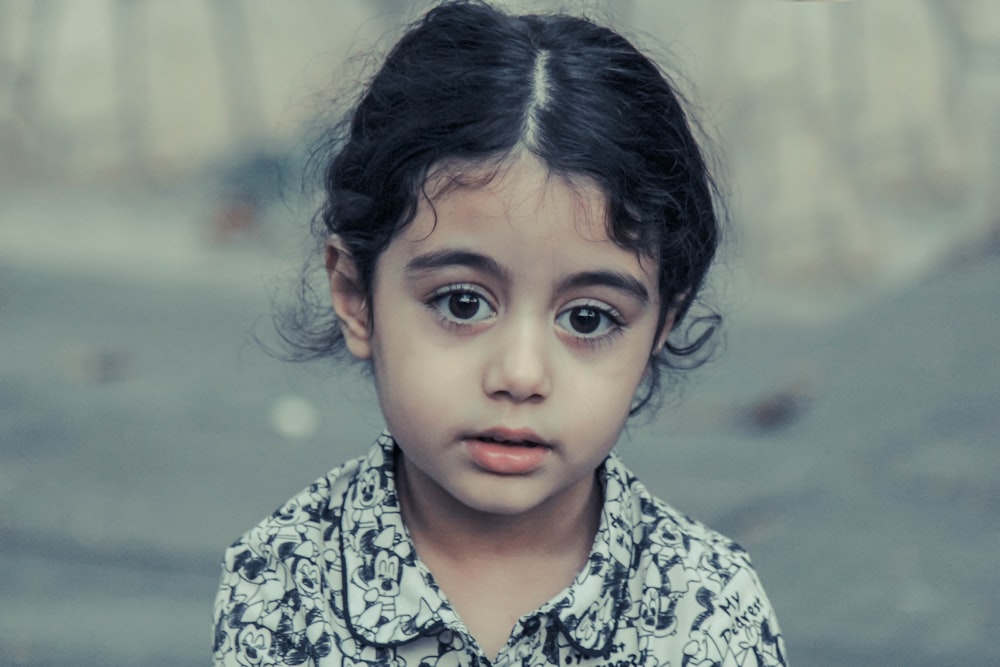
point(517, 219)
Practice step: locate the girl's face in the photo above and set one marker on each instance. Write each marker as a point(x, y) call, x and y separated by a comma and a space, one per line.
point(508, 335)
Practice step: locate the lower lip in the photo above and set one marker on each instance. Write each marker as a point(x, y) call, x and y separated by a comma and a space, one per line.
point(506, 459)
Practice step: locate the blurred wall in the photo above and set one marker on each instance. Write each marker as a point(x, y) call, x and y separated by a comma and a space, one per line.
point(108, 85)
point(861, 138)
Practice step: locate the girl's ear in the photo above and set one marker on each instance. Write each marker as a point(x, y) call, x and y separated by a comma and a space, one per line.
point(661, 340)
point(348, 298)
point(668, 323)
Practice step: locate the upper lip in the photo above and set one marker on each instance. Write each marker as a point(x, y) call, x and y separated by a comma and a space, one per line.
point(511, 435)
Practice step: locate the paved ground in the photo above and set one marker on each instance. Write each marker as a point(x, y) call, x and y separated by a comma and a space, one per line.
point(141, 430)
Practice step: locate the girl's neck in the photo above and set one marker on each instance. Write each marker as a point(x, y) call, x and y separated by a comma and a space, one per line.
point(494, 568)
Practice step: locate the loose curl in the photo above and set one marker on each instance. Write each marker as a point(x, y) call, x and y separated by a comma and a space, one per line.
point(470, 83)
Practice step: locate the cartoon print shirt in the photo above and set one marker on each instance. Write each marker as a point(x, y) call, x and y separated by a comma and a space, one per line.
point(331, 578)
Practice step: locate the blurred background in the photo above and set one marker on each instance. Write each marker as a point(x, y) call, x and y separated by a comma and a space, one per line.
point(151, 210)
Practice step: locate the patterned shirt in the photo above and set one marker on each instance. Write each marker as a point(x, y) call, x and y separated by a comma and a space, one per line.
point(331, 578)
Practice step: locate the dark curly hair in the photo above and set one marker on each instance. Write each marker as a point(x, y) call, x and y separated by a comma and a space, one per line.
point(470, 83)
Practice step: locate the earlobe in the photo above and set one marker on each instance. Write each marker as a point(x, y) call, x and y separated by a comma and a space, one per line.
point(348, 298)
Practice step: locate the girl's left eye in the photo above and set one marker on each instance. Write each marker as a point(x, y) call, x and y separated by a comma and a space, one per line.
point(587, 321)
point(463, 306)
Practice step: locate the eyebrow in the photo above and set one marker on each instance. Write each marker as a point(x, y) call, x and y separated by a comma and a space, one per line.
point(442, 259)
point(623, 282)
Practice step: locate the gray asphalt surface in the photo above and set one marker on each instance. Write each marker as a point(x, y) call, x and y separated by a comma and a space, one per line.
point(141, 432)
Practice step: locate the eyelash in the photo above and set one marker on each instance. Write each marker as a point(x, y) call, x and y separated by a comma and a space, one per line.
point(610, 318)
point(436, 305)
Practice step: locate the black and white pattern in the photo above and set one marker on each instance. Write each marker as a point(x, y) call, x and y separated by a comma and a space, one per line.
point(332, 579)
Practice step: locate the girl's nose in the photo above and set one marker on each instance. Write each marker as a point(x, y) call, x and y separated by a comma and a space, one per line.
point(519, 368)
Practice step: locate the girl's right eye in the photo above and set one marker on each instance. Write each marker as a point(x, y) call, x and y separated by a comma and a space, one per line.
point(462, 306)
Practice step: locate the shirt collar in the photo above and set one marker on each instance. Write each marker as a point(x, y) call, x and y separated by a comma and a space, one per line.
point(588, 611)
point(390, 597)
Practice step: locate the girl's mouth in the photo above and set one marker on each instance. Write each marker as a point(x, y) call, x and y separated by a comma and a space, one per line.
point(519, 437)
point(507, 453)
point(501, 441)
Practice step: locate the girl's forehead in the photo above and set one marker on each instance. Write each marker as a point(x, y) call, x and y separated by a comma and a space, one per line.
point(513, 189)
point(519, 213)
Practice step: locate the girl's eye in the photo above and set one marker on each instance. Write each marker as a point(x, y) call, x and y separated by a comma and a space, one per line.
point(587, 321)
point(463, 306)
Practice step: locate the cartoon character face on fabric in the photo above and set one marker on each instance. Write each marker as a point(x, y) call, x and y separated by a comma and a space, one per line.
point(370, 491)
point(368, 497)
point(656, 609)
point(307, 574)
point(387, 574)
point(255, 646)
point(383, 571)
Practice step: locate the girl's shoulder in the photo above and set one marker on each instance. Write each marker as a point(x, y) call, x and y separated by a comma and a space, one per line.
point(667, 536)
point(305, 517)
point(688, 582)
point(275, 567)
point(667, 526)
